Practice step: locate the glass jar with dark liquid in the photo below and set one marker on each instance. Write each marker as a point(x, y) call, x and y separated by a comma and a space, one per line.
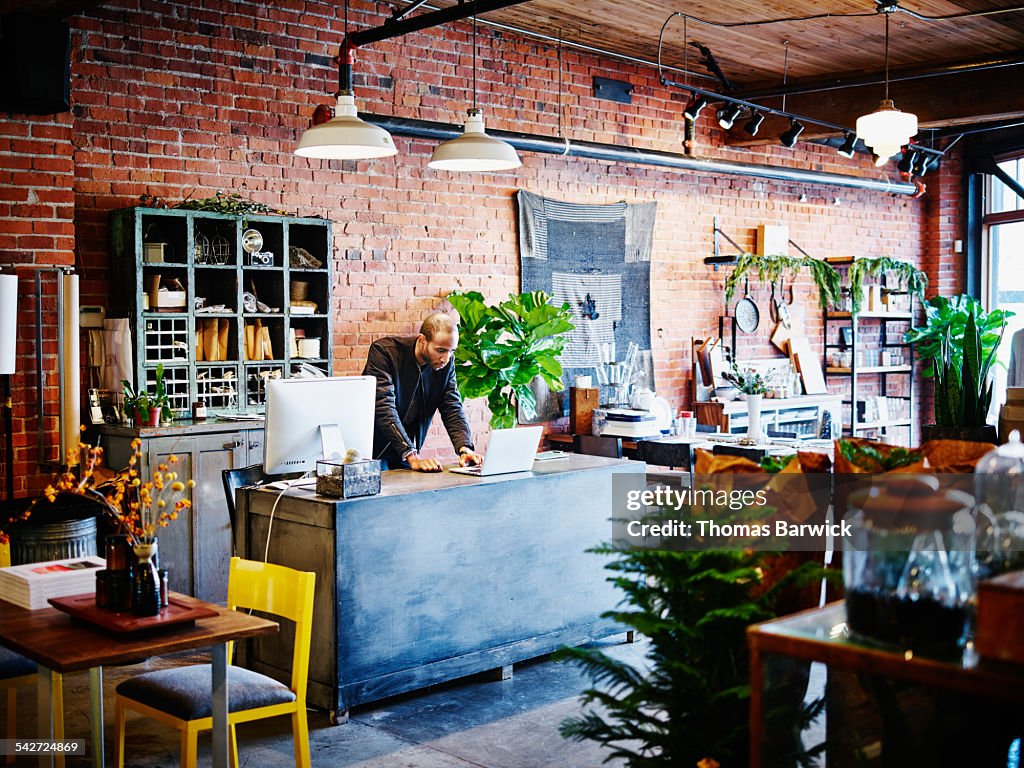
point(908, 565)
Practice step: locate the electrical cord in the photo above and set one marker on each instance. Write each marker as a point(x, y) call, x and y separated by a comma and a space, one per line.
point(270, 525)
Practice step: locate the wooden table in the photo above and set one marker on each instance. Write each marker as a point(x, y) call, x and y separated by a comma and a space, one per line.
point(821, 635)
point(57, 643)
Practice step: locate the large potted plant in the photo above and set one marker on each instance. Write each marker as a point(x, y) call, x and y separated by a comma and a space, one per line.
point(504, 347)
point(958, 345)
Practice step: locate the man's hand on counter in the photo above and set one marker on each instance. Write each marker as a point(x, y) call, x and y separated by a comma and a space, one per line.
point(470, 459)
point(422, 465)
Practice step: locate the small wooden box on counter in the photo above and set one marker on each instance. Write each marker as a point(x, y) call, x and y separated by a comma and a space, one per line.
point(582, 402)
point(1000, 630)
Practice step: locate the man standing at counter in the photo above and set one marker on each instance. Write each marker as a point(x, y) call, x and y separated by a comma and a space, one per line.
point(415, 379)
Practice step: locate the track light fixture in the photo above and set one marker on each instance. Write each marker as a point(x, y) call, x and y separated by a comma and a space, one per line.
point(926, 162)
point(695, 105)
point(849, 144)
point(754, 123)
point(908, 161)
point(789, 137)
point(727, 115)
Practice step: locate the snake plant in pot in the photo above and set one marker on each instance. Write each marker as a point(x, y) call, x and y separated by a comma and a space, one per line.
point(959, 345)
point(504, 347)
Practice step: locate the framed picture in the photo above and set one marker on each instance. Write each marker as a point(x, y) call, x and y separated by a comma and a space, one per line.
point(846, 336)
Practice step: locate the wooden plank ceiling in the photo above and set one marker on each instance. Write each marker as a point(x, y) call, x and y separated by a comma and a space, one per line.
point(845, 41)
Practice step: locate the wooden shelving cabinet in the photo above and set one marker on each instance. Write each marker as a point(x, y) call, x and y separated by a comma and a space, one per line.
point(203, 253)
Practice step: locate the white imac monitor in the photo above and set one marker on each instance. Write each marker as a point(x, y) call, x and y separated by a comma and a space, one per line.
point(310, 419)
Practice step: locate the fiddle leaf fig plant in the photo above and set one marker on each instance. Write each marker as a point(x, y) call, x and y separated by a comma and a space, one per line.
point(504, 347)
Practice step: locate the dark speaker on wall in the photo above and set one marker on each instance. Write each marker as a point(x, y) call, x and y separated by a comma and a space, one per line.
point(35, 61)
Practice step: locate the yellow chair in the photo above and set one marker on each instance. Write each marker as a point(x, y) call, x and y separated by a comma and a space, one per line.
point(15, 671)
point(181, 696)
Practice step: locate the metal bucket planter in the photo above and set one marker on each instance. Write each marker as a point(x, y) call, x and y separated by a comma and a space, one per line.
point(64, 529)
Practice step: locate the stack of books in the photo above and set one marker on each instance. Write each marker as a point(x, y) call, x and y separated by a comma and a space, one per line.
point(32, 584)
point(626, 422)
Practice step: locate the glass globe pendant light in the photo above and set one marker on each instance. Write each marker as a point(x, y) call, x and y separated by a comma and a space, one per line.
point(886, 129)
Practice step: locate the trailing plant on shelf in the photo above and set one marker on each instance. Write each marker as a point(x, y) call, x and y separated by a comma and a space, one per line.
point(506, 346)
point(770, 268)
point(914, 280)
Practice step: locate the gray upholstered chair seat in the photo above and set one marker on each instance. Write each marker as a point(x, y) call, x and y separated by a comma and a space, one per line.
point(13, 664)
point(184, 692)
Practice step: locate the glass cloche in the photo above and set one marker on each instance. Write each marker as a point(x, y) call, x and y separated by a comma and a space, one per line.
point(999, 496)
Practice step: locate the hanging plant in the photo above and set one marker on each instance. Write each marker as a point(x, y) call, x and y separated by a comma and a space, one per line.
point(771, 268)
point(914, 280)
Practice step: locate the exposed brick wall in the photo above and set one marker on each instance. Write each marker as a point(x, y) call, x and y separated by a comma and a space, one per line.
point(37, 229)
point(174, 99)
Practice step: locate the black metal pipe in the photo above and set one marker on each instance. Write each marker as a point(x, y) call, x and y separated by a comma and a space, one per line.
point(458, 12)
point(857, 82)
point(525, 142)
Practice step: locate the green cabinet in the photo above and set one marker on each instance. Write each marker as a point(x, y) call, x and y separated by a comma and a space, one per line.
point(221, 308)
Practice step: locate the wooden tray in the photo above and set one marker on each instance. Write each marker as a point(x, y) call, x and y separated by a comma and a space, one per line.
point(84, 607)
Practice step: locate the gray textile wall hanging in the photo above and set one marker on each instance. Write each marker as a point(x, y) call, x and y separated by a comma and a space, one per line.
point(598, 259)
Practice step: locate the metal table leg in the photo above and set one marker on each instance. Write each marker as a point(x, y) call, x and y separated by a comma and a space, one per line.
point(45, 711)
point(96, 714)
point(219, 683)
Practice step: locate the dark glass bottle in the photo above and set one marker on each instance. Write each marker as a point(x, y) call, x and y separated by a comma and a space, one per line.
point(146, 587)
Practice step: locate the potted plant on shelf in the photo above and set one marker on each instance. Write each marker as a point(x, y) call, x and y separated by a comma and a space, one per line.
point(752, 386)
point(958, 345)
point(506, 346)
point(148, 409)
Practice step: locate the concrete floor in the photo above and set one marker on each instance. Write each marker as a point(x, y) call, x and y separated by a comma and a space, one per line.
point(474, 722)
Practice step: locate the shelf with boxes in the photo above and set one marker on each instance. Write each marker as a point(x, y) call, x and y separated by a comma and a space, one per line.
point(224, 302)
point(866, 358)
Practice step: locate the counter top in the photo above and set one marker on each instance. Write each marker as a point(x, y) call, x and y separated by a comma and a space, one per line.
point(399, 482)
point(181, 427)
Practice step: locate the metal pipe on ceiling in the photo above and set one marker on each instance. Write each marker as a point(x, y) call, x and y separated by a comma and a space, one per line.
point(551, 145)
point(857, 82)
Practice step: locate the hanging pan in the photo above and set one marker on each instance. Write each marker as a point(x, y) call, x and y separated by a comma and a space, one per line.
point(747, 314)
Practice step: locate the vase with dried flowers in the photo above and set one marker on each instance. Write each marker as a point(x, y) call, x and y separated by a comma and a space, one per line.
point(136, 508)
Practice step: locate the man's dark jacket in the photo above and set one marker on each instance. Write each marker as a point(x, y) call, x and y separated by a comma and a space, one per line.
point(408, 396)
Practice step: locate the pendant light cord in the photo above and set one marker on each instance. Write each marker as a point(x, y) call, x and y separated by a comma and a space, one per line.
point(559, 82)
point(886, 56)
point(785, 72)
point(474, 55)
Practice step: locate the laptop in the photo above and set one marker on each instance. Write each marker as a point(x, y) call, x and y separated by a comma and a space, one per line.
point(510, 450)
